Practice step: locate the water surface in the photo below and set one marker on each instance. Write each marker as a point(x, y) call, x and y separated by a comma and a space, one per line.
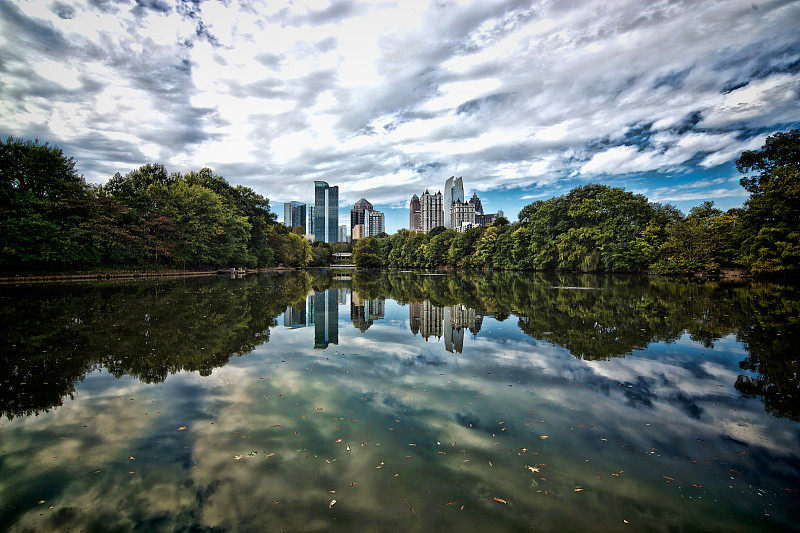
point(400, 401)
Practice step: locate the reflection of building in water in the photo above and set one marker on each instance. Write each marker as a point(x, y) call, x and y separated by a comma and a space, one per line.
point(426, 318)
point(324, 314)
point(453, 332)
point(364, 313)
point(415, 317)
point(448, 322)
point(295, 315)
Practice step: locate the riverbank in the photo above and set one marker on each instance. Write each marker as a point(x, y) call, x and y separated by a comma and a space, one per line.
point(36, 277)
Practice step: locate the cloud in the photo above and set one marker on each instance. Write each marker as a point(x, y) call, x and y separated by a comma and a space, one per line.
point(507, 94)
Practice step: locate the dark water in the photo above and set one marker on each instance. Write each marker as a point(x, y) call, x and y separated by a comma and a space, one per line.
point(400, 401)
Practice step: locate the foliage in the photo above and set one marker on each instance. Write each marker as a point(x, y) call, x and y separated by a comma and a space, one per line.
point(770, 221)
point(52, 219)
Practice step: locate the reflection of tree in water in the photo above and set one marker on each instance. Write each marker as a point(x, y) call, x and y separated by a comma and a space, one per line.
point(600, 317)
point(55, 334)
point(770, 334)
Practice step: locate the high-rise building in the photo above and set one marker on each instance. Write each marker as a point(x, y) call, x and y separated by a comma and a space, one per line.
point(358, 231)
point(326, 212)
point(476, 203)
point(310, 220)
point(462, 215)
point(294, 214)
point(430, 211)
point(414, 217)
point(343, 233)
point(357, 213)
point(453, 191)
point(374, 223)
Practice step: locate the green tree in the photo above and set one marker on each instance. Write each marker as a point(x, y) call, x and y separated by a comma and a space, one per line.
point(770, 224)
point(366, 253)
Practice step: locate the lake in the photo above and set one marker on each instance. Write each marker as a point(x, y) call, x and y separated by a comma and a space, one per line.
point(400, 401)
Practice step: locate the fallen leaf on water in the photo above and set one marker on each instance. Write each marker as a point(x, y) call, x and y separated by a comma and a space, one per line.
point(696, 485)
point(338, 440)
point(533, 469)
point(238, 457)
point(452, 503)
point(501, 500)
point(132, 458)
point(181, 428)
point(578, 489)
point(331, 504)
point(365, 442)
point(543, 436)
point(276, 426)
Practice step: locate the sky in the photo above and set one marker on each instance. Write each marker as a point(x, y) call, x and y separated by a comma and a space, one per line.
point(525, 100)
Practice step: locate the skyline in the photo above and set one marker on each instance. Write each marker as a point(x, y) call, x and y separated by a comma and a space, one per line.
point(524, 100)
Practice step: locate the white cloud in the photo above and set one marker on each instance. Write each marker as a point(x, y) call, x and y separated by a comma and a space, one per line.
point(512, 94)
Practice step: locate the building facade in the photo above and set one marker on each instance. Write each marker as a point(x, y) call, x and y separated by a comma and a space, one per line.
point(357, 213)
point(453, 192)
point(374, 223)
point(358, 231)
point(431, 214)
point(462, 215)
point(343, 237)
point(414, 216)
point(326, 212)
point(476, 203)
point(294, 214)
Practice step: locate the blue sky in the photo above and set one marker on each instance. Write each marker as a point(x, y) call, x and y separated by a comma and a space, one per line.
point(523, 99)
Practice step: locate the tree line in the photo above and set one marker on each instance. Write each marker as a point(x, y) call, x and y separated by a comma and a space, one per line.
point(596, 228)
point(149, 218)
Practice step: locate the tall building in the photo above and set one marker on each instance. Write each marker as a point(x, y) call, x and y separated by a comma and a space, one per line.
point(294, 214)
point(374, 223)
point(476, 203)
point(462, 215)
point(453, 191)
point(358, 231)
point(310, 220)
point(343, 233)
point(414, 217)
point(430, 211)
point(357, 213)
point(326, 212)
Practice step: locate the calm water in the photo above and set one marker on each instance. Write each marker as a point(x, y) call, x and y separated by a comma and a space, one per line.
point(400, 401)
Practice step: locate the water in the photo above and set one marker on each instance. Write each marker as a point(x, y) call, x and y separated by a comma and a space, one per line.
point(400, 401)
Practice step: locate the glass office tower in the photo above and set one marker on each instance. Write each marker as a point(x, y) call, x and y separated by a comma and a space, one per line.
point(326, 212)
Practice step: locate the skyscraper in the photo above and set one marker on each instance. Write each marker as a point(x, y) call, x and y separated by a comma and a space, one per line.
point(326, 212)
point(294, 214)
point(431, 214)
point(357, 213)
point(453, 191)
point(476, 202)
point(414, 223)
point(374, 223)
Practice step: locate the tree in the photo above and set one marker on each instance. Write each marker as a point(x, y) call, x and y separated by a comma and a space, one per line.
point(39, 170)
point(366, 253)
point(770, 223)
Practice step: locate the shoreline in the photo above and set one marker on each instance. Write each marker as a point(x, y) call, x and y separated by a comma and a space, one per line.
point(125, 275)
